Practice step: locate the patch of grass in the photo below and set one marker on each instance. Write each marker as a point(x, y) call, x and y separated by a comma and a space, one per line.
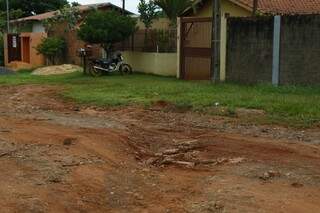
point(25, 71)
point(290, 105)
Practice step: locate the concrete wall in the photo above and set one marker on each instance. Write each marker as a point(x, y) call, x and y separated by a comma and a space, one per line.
point(232, 10)
point(227, 9)
point(38, 27)
point(300, 50)
point(250, 47)
point(164, 64)
point(249, 58)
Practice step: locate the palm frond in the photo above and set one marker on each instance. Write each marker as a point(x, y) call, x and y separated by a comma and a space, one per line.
point(173, 8)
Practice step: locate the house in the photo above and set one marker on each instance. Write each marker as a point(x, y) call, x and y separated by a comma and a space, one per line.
point(28, 32)
point(195, 49)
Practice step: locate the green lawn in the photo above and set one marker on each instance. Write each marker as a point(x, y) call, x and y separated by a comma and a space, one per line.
point(290, 105)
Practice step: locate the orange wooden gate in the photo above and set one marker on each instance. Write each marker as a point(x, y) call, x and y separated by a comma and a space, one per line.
point(196, 48)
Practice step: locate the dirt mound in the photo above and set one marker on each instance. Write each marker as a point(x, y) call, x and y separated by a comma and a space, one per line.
point(57, 70)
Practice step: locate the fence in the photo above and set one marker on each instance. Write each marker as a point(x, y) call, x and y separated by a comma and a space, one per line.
point(151, 41)
point(153, 52)
point(281, 50)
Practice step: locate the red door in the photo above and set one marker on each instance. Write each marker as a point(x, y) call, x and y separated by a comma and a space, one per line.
point(26, 49)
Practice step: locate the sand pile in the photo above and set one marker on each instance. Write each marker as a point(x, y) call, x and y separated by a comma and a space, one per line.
point(57, 70)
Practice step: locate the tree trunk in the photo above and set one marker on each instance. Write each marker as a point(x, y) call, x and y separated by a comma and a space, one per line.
point(145, 40)
point(254, 7)
point(53, 61)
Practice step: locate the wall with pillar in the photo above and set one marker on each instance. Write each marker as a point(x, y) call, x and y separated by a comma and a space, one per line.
point(251, 54)
point(228, 9)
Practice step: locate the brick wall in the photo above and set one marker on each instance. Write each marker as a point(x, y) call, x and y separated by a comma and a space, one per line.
point(249, 50)
point(250, 46)
point(73, 44)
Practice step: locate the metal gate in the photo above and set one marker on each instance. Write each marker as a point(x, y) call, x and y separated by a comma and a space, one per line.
point(14, 47)
point(196, 48)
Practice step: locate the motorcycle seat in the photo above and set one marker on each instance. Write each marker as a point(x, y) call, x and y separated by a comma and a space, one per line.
point(103, 61)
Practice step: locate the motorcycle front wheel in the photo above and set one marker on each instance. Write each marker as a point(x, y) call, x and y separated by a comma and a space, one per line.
point(95, 72)
point(125, 69)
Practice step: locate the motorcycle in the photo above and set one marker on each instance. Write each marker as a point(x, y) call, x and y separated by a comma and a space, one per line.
point(98, 67)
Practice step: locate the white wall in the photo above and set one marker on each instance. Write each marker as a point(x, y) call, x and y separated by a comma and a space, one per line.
point(38, 27)
point(164, 64)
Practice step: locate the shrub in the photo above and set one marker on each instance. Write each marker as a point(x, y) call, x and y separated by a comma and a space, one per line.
point(51, 48)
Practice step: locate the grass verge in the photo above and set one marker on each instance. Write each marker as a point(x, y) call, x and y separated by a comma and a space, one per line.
point(292, 105)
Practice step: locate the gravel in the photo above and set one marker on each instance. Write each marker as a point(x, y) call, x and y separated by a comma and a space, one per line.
point(5, 71)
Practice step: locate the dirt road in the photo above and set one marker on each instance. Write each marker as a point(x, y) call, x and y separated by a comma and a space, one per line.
point(59, 157)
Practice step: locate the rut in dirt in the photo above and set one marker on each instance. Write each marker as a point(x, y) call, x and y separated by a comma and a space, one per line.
point(56, 156)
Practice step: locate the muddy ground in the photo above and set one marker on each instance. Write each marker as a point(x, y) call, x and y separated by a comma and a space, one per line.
point(56, 156)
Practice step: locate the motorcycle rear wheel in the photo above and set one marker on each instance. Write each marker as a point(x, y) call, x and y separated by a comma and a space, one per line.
point(95, 72)
point(125, 69)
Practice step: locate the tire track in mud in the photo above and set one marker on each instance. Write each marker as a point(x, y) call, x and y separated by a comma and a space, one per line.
point(105, 165)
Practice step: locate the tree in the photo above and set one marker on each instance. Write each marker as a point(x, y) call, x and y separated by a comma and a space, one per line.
point(31, 7)
point(69, 14)
point(173, 8)
point(106, 29)
point(75, 4)
point(148, 12)
point(14, 14)
point(254, 7)
point(51, 48)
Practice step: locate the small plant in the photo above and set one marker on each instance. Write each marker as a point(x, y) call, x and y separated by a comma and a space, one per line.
point(51, 48)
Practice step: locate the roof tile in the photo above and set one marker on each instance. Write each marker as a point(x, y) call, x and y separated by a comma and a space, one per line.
point(286, 6)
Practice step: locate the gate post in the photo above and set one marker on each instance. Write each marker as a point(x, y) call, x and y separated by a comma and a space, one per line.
point(276, 50)
point(5, 49)
point(216, 36)
point(179, 61)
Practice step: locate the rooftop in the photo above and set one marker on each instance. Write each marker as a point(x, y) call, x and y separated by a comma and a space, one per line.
point(81, 8)
point(285, 6)
point(278, 6)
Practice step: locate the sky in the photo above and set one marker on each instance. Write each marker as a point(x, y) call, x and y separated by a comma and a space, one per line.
point(131, 5)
